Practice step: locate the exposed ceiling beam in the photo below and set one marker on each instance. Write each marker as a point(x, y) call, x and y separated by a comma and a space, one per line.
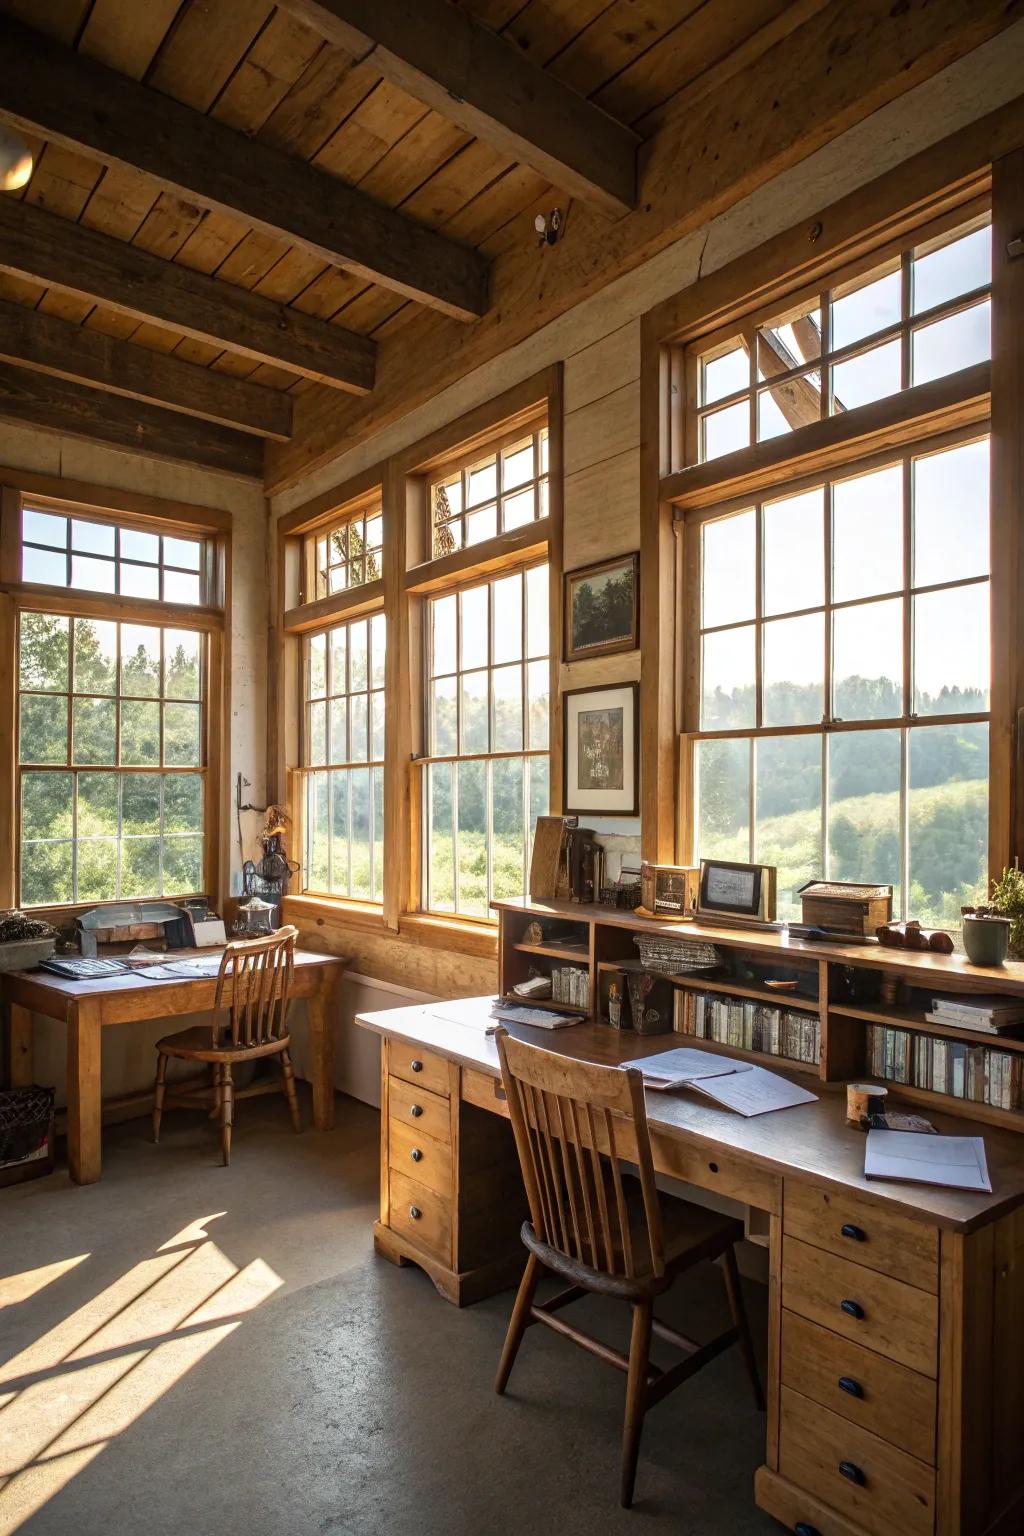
point(43, 342)
point(74, 410)
point(37, 244)
point(82, 105)
point(451, 62)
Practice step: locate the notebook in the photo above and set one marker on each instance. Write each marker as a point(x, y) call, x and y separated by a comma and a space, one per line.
point(675, 1069)
point(955, 1162)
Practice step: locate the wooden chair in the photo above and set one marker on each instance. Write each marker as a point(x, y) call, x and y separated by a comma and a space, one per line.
point(250, 1014)
point(604, 1233)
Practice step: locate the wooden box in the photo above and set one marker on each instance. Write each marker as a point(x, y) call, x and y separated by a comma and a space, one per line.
point(669, 890)
point(844, 907)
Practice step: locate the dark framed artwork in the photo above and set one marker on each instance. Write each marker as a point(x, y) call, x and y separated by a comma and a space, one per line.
point(601, 745)
point(602, 608)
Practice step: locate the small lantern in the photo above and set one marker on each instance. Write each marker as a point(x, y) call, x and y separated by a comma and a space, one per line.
point(254, 918)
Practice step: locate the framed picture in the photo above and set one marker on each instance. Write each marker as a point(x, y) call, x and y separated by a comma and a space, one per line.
point(737, 890)
point(602, 608)
point(602, 751)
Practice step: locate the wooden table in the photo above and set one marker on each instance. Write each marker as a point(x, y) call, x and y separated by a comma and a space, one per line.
point(86, 1006)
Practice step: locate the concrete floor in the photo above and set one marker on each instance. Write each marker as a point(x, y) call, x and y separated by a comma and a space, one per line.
point(193, 1349)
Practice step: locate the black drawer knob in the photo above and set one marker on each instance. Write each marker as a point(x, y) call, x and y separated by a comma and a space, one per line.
point(854, 1388)
point(415, 1212)
point(854, 1233)
point(852, 1308)
point(417, 1066)
point(416, 1110)
point(852, 1473)
point(416, 1154)
point(803, 1529)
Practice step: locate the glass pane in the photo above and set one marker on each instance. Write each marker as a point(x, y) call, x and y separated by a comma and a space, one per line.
point(956, 342)
point(140, 660)
point(44, 528)
point(96, 869)
point(92, 538)
point(543, 444)
point(94, 730)
point(864, 807)
point(43, 734)
point(183, 865)
point(725, 431)
point(46, 805)
point(539, 771)
point(867, 661)
point(442, 619)
point(139, 580)
point(517, 510)
point(951, 514)
point(443, 716)
point(728, 694)
point(99, 797)
point(359, 727)
point(947, 809)
point(508, 618)
point(724, 375)
point(473, 619)
point(43, 652)
point(140, 866)
point(440, 844)
point(44, 566)
point(794, 552)
point(95, 656)
point(378, 834)
point(181, 735)
point(361, 881)
point(181, 587)
point(721, 772)
point(338, 751)
point(337, 642)
point(472, 869)
point(140, 802)
point(951, 651)
point(91, 575)
point(483, 483)
point(783, 407)
point(183, 802)
point(337, 578)
point(316, 667)
point(140, 732)
point(317, 735)
point(447, 531)
point(358, 657)
point(867, 534)
point(959, 267)
point(340, 811)
point(474, 712)
point(182, 552)
point(787, 832)
point(377, 725)
point(378, 650)
point(517, 464)
point(537, 611)
point(182, 663)
point(869, 308)
point(870, 376)
point(139, 546)
point(507, 691)
point(728, 575)
point(482, 525)
point(316, 831)
point(508, 832)
point(794, 670)
point(538, 683)
point(46, 873)
point(789, 341)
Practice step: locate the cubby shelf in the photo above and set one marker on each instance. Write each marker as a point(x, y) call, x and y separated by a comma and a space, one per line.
point(574, 953)
point(544, 1002)
point(727, 989)
point(893, 1018)
point(1009, 1119)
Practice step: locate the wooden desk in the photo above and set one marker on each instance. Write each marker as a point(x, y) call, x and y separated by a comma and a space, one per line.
point(86, 1006)
point(936, 1276)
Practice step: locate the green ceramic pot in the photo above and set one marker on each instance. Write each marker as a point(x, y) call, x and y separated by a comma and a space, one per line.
point(986, 939)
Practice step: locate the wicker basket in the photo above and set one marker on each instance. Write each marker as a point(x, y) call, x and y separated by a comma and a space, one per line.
point(26, 1134)
point(675, 956)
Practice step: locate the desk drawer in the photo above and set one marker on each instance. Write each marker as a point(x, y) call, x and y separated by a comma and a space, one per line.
point(884, 1240)
point(711, 1170)
point(420, 1157)
point(895, 1320)
point(418, 1066)
point(893, 1402)
point(862, 1477)
point(484, 1091)
point(421, 1214)
point(423, 1111)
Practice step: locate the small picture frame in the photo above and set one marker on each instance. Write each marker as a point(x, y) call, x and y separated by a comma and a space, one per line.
point(743, 892)
point(601, 757)
point(602, 608)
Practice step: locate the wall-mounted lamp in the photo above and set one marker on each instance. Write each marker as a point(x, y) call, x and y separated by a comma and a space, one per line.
point(549, 226)
point(15, 160)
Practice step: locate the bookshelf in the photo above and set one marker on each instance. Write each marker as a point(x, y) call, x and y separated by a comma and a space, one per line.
point(838, 984)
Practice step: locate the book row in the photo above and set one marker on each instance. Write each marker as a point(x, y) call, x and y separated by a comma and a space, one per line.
point(571, 984)
point(751, 1026)
point(974, 1072)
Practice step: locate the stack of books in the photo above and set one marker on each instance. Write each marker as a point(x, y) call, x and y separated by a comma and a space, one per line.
point(750, 1025)
point(570, 984)
point(974, 1072)
point(989, 1014)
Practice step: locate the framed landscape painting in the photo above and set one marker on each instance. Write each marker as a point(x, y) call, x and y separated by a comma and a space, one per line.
point(602, 608)
point(602, 751)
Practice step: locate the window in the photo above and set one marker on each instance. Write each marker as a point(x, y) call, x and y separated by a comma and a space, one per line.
point(343, 733)
point(111, 763)
point(486, 777)
point(90, 556)
point(350, 554)
point(917, 316)
point(502, 490)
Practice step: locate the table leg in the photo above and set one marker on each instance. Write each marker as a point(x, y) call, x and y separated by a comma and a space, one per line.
point(84, 1094)
point(321, 1044)
point(22, 1056)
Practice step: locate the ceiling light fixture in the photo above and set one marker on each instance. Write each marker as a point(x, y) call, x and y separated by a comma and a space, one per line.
point(15, 161)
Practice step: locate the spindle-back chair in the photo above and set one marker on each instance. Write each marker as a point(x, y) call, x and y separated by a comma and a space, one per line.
point(249, 1021)
point(603, 1231)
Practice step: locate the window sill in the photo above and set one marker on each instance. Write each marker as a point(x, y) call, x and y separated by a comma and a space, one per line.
point(323, 910)
point(451, 933)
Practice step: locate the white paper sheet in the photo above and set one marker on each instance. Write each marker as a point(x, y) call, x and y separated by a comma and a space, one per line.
point(684, 1065)
point(755, 1092)
point(474, 1012)
point(956, 1162)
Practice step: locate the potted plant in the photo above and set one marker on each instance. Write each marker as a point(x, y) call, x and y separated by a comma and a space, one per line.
point(1008, 901)
point(24, 941)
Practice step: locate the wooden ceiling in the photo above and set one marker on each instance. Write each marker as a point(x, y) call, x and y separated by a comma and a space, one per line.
point(170, 280)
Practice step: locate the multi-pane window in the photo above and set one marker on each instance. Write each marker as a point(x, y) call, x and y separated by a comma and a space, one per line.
point(487, 775)
point(350, 554)
point(844, 646)
point(501, 490)
point(343, 734)
point(919, 315)
point(110, 759)
point(60, 550)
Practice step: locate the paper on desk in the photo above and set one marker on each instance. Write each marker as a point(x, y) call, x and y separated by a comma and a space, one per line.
point(669, 1069)
point(754, 1092)
point(956, 1162)
point(473, 1012)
